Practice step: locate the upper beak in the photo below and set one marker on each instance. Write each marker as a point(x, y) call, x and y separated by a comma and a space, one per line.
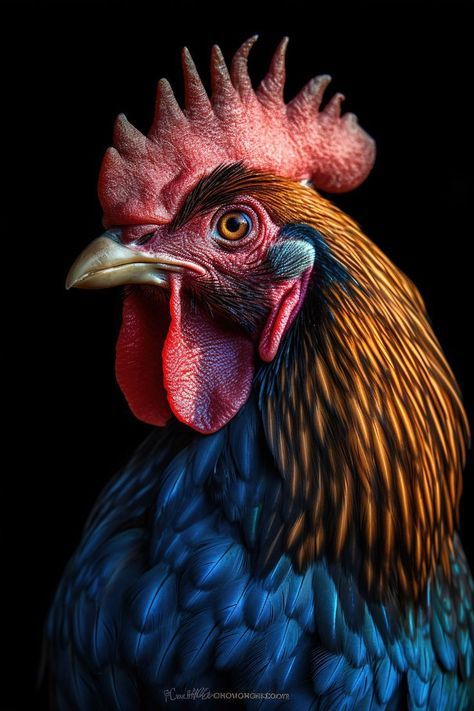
point(106, 262)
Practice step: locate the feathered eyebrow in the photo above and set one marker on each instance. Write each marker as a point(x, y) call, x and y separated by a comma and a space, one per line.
point(213, 190)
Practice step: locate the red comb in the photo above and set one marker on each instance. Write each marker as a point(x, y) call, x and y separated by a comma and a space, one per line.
point(143, 176)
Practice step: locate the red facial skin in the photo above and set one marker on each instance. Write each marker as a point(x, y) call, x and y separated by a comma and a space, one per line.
point(190, 358)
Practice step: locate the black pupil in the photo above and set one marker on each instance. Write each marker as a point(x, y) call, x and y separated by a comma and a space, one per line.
point(234, 224)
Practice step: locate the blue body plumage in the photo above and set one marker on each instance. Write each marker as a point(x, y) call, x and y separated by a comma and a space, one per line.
point(163, 593)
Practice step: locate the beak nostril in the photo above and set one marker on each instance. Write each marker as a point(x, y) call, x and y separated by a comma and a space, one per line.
point(144, 238)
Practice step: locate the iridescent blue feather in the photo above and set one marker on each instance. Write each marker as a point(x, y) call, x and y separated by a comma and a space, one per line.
point(166, 590)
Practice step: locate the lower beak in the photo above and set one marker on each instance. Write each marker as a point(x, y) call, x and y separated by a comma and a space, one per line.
point(106, 262)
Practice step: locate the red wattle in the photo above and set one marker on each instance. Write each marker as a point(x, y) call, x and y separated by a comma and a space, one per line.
point(138, 363)
point(208, 368)
point(178, 360)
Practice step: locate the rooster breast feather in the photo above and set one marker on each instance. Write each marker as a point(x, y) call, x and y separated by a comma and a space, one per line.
point(163, 593)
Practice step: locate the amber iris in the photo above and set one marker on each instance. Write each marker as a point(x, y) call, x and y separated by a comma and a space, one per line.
point(233, 225)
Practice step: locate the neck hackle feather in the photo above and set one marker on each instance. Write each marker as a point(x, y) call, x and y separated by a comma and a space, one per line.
point(363, 415)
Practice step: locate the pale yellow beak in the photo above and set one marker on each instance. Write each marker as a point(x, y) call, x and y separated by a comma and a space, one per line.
point(106, 262)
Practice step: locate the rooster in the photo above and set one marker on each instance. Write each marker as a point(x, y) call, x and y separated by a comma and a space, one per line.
point(288, 530)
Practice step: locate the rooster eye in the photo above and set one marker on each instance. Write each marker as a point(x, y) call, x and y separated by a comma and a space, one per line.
point(234, 225)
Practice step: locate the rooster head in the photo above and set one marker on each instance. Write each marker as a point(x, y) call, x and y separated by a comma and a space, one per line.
point(196, 228)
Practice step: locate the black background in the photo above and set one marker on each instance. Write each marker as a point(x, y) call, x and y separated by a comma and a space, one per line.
point(406, 72)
